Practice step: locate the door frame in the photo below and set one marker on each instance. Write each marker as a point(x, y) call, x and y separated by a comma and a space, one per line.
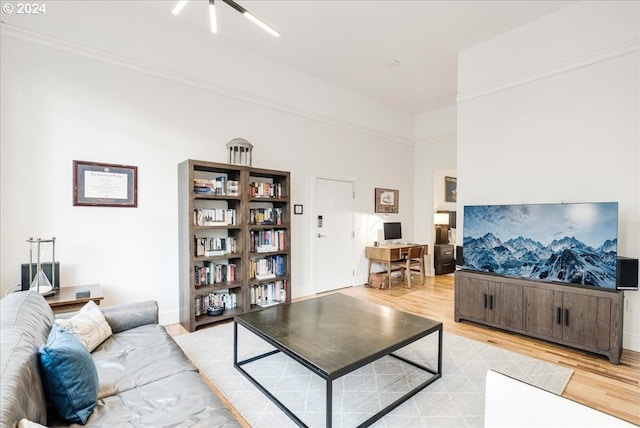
point(313, 232)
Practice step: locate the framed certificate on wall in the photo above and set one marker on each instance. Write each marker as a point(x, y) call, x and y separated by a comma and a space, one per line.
point(104, 184)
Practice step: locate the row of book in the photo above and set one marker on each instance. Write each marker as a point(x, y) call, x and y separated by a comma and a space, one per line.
point(265, 216)
point(223, 298)
point(264, 241)
point(209, 247)
point(214, 217)
point(261, 189)
point(268, 294)
point(212, 273)
point(218, 186)
point(267, 267)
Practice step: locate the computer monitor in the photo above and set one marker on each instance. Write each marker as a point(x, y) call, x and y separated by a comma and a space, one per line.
point(392, 230)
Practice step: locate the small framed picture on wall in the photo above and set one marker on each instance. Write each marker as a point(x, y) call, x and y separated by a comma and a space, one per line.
point(450, 189)
point(387, 200)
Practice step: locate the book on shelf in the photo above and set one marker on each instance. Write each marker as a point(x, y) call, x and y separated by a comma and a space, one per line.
point(214, 217)
point(265, 216)
point(269, 294)
point(210, 247)
point(263, 189)
point(267, 267)
point(266, 248)
point(267, 303)
point(262, 241)
point(222, 298)
point(233, 188)
point(213, 273)
point(218, 186)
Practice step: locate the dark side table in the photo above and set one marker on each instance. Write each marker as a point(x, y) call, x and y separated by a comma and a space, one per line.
point(66, 300)
point(443, 259)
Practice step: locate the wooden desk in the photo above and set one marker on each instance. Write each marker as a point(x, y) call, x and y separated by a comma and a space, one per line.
point(389, 253)
point(65, 299)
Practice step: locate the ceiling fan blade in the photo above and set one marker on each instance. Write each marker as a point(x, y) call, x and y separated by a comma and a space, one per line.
point(251, 17)
point(178, 7)
point(213, 17)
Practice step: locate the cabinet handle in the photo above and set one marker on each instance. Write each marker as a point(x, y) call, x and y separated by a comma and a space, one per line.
point(485, 300)
point(491, 302)
point(566, 317)
point(559, 316)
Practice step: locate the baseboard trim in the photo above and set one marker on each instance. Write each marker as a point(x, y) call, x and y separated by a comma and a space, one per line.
point(631, 341)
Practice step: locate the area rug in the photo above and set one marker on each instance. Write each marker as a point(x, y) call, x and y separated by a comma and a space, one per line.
point(455, 400)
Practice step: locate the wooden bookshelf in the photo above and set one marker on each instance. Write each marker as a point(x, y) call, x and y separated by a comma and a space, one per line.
point(219, 233)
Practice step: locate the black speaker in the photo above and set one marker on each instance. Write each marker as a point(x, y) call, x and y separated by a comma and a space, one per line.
point(459, 256)
point(46, 268)
point(626, 273)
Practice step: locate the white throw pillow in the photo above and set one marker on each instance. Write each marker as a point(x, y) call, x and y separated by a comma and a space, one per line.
point(26, 423)
point(88, 325)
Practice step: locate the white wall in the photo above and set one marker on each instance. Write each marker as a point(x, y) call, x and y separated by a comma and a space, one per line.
point(76, 88)
point(549, 113)
point(435, 156)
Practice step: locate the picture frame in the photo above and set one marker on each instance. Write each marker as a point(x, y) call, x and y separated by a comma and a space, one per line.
point(450, 189)
point(98, 184)
point(386, 200)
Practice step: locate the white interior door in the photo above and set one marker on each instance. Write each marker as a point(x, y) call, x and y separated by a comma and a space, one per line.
point(334, 234)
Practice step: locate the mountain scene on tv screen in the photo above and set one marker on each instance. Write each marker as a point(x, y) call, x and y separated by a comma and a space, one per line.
point(571, 243)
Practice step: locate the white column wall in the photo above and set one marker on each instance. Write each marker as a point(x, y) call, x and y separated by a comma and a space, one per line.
point(435, 152)
point(549, 112)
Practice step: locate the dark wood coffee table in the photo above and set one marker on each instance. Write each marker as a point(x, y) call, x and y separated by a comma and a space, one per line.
point(335, 335)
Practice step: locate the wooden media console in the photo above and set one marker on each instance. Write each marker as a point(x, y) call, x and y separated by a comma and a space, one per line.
point(579, 317)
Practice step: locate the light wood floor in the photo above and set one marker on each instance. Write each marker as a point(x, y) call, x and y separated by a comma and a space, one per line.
point(614, 389)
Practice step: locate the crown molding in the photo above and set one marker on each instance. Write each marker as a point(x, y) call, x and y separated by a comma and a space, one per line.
point(451, 136)
point(29, 36)
point(594, 57)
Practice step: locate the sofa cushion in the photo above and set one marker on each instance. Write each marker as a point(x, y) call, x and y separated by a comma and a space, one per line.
point(26, 423)
point(88, 325)
point(181, 400)
point(69, 375)
point(25, 321)
point(136, 357)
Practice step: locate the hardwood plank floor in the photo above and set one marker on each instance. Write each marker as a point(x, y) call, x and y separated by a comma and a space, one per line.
point(614, 389)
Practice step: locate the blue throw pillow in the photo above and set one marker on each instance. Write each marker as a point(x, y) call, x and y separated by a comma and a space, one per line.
point(69, 375)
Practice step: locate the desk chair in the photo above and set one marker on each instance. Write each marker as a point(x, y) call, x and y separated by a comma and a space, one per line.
point(414, 262)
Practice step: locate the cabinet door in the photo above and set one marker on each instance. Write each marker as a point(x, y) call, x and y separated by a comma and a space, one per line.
point(505, 305)
point(587, 320)
point(471, 297)
point(541, 314)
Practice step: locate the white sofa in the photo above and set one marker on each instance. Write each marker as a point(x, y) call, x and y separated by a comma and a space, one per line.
point(510, 403)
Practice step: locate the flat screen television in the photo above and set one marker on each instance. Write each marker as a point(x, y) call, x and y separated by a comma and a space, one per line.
point(572, 243)
point(392, 230)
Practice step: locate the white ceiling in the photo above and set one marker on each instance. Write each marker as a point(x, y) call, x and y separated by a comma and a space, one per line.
point(348, 42)
point(344, 42)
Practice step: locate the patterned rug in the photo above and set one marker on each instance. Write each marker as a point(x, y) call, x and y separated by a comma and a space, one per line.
point(455, 400)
